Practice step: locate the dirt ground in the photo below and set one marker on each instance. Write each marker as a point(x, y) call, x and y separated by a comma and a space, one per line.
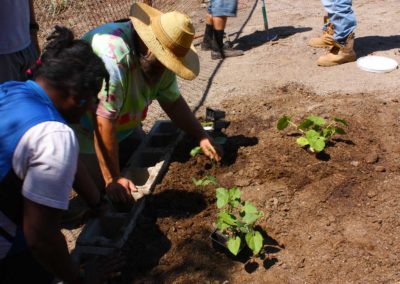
point(331, 218)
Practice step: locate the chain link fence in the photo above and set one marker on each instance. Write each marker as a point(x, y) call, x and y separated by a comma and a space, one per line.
point(83, 15)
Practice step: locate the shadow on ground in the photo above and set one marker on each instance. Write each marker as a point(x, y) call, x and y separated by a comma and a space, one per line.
point(176, 203)
point(245, 256)
point(260, 37)
point(369, 44)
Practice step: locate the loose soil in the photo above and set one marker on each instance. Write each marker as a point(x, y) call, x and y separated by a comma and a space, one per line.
point(329, 218)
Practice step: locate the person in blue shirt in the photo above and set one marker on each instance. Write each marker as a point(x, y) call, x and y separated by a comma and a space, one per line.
point(38, 162)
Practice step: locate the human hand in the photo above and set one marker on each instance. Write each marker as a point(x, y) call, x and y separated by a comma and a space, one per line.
point(120, 190)
point(211, 151)
point(103, 268)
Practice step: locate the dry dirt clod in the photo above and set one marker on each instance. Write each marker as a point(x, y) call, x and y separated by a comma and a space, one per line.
point(380, 169)
point(372, 158)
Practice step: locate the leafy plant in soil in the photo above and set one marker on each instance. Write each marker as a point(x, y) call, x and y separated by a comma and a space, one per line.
point(315, 130)
point(236, 218)
point(220, 140)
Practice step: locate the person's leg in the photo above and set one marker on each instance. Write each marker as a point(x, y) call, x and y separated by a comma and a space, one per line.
point(20, 266)
point(14, 65)
point(344, 23)
point(129, 145)
point(208, 33)
point(10, 66)
point(221, 10)
point(343, 20)
point(326, 39)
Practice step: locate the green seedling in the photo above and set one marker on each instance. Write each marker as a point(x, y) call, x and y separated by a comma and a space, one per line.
point(207, 123)
point(220, 140)
point(205, 181)
point(236, 218)
point(315, 133)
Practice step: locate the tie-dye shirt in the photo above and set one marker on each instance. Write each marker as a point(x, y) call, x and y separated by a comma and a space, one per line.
point(128, 95)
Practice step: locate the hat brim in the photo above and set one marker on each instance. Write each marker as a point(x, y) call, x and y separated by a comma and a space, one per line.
point(187, 67)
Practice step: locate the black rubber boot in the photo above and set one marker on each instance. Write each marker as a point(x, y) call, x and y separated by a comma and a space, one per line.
point(219, 51)
point(207, 38)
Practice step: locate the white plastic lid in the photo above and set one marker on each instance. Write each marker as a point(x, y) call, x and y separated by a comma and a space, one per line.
point(377, 64)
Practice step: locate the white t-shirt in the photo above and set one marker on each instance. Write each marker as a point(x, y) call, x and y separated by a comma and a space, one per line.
point(45, 159)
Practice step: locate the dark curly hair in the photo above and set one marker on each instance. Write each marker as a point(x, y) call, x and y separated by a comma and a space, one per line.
point(70, 64)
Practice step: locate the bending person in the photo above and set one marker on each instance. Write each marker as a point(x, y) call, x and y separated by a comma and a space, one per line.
point(38, 160)
point(143, 57)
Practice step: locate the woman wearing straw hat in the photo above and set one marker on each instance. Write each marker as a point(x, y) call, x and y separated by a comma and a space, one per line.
point(143, 57)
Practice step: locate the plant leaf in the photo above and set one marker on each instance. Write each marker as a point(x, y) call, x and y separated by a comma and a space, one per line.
point(312, 135)
point(318, 144)
point(328, 132)
point(340, 130)
point(317, 120)
point(342, 121)
point(283, 122)
point(207, 123)
point(302, 141)
point(221, 225)
point(220, 140)
point(222, 197)
point(305, 124)
point(197, 182)
point(249, 213)
point(255, 241)
point(234, 193)
point(227, 218)
point(205, 181)
point(249, 207)
point(233, 244)
point(195, 151)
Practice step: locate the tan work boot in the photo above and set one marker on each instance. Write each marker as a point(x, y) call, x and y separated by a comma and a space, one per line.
point(325, 40)
point(339, 54)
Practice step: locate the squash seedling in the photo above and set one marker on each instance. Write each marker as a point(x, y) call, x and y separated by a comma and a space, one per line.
point(236, 218)
point(314, 132)
point(197, 151)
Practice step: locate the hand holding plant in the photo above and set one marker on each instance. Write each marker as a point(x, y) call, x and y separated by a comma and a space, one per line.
point(315, 133)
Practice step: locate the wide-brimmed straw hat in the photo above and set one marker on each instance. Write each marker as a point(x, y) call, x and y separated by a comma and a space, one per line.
point(169, 37)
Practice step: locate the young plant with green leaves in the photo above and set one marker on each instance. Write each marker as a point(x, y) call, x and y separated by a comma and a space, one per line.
point(315, 130)
point(220, 140)
point(236, 218)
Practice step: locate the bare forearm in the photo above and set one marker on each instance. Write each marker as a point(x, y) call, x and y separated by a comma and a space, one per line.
point(106, 144)
point(180, 113)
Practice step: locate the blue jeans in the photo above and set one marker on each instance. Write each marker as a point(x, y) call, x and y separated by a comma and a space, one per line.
point(223, 8)
point(341, 15)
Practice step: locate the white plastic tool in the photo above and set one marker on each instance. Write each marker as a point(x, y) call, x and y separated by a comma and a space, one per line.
point(377, 64)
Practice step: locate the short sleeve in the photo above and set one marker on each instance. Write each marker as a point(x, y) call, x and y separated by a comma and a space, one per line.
point(114, 52)
point(46, 160)
point(168, 88)
point(111, 100)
